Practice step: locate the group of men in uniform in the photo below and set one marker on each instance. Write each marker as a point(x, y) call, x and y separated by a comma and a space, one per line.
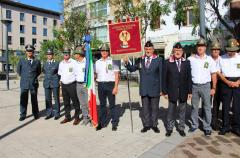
point(212, 79)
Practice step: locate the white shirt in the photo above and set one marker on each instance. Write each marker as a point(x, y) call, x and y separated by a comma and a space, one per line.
point(202, 68)
point(67, 71)
point(217, 63)
point(105, 70)
point(80, 70)
point(230, 67)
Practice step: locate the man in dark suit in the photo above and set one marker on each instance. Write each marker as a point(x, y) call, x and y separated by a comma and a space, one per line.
point(177, 88)
point(51, 86)
point(150, 68)
point(29, 69)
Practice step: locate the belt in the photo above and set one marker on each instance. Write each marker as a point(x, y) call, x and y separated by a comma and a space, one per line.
point(200, 84)
point(69, 83)
point(81, 82)
point(106, 82)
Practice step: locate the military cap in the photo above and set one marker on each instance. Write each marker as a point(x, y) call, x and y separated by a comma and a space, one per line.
point(49, 52)
point(201, 42)
point(148, 44)
point(66, 51)
point(79, 50)
point(178, 45)
point(104, 47)
point(232, 45)
point(29, 48)
point(215, 45)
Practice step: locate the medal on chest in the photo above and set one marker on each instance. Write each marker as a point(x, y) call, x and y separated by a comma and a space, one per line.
point(70, 69)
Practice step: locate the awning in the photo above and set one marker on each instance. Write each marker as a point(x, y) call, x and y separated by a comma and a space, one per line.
point(190, 43)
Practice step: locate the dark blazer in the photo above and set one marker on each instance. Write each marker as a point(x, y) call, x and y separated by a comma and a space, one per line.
point(177, 85)
point(29, 73)
point(150, 79)
point(51, 77)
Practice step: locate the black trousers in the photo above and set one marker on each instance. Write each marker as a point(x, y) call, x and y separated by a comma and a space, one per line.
point(105, 92)
point(231, 95)
point(216, 104)
point(24, 102)
point(150, 109)
point(69, 92)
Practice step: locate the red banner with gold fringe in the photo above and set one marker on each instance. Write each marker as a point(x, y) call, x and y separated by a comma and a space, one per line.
point(125, 38)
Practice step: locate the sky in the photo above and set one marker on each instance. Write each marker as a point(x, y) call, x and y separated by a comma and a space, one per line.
point(46, 4)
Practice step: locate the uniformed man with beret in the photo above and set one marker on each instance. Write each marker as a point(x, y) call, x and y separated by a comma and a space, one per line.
point(215, 54)
point(230, 88)
point(107, 77)
point(177, 88)
point(150, 68)
point(67, 72)
point(29, 69)
point(203, 70)
point(51, 86)
point(81, 78)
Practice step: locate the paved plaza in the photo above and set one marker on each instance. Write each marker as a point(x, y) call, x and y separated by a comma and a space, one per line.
point(48, 138)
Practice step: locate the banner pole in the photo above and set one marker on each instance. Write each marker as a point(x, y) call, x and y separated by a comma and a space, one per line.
point(130, 102)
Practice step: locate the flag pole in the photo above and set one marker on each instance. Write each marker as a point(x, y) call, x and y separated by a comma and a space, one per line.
point(130, 102)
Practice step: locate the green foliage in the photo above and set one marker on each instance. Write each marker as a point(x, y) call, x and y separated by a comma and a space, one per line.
point(13, 59)
point(95, 43)
point(56, 45)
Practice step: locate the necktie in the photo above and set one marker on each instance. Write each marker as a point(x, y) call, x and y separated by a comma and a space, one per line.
point(50, 62)
point(148, 63)
point(179, 65)
point(30, 62)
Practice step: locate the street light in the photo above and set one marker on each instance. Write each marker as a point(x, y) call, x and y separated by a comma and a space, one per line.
point(7, 22)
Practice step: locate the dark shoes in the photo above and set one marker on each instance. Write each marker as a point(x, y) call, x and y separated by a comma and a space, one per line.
point(156, 129)
point(191, 130)
point(145, 129)
point(76, 121)
point(66, 120)
point(207, 132)
point(56, 117)
point(36, 117)
point(48, 117)
point(99, 127)
point(168, 133)
point(223, 131)
point(237, 132)
point(114, 128)
point(22, 118)
point(182, 133)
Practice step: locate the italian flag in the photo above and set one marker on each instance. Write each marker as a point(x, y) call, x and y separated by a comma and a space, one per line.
point(92, 103)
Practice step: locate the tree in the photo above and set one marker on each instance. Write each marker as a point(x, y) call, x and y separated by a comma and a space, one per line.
point(212, 6)
point(149, 13)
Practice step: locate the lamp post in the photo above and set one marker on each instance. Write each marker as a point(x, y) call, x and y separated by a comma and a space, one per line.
point(7, 22)
point(202, 18)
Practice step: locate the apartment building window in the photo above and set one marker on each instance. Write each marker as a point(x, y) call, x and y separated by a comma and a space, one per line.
point(8, 14)
point(22, 41)
point(34, 30)
point(22, 29)
point(9, 27)
point(45, 32)
point(34, 41)
point(44, 41)
point(54, 22)
point(100, 33)
point(9, 40)
point(98, 9)
point(44, 21)
point(34, 19)
point(22, 16)
point(189, 17)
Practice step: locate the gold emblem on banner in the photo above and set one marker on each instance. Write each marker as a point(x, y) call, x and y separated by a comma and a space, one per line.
point(124, 36)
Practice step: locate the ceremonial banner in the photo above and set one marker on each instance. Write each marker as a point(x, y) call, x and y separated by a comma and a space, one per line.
point(125, 39)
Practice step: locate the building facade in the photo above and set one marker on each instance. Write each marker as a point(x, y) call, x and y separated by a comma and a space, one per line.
point(30, 25)
point(163, 37)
